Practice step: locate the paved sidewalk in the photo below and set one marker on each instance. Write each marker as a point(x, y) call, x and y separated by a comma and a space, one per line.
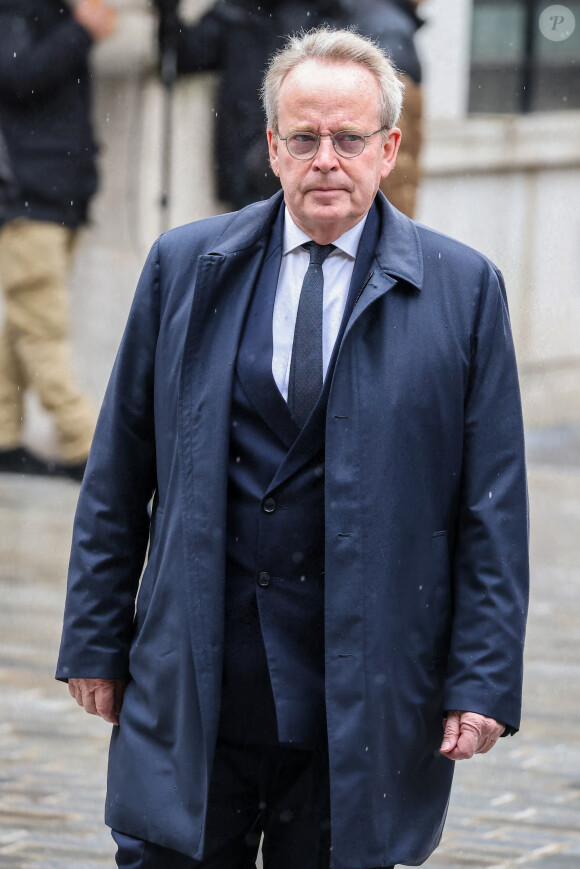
point(518, 806)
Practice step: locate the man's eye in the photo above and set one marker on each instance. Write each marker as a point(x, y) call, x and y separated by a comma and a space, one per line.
point(348, 138)
point(303, 138)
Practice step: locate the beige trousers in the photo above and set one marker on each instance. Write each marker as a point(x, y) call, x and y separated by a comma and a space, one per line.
point(35, 260)
point(400, 186)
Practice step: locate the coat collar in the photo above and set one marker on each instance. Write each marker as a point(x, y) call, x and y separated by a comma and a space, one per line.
point(247, 227)
point(398, 253)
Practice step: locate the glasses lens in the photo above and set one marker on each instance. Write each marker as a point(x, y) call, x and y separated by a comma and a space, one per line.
point(349, 144)
point(302, 145)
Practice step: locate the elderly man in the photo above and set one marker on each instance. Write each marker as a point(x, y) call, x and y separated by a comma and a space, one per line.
point(319, 397)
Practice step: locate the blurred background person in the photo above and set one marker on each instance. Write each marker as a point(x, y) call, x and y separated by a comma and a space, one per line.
point(45, 101)
point(400, 23)
point(236, 38)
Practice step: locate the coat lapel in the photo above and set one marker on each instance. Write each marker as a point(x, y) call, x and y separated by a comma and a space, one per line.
point(397, 259)
point(224, 283)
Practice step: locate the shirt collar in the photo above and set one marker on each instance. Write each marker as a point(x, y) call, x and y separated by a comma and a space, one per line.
point(294, 237)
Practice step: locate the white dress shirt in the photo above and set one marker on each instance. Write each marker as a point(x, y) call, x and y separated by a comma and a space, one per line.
point(337, 270)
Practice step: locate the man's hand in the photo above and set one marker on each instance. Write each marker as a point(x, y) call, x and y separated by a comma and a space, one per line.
point(467, 733)
point(102, 697)
point(98, 18)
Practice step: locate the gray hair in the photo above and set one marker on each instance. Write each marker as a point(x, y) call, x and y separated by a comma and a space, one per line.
point(333, 46)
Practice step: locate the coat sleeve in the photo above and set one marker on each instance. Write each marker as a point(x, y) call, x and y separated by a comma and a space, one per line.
point(111, 528)
point(30, 66)
point(490, 559)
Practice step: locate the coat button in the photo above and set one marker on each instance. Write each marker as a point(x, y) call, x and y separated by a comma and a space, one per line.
point(269, 505)
point(264, 579)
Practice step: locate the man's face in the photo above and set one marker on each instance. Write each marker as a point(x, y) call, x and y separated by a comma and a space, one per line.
point(329, 194)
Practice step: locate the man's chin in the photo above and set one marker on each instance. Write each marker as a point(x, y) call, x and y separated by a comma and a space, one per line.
point(327, 196)
point(327, 208)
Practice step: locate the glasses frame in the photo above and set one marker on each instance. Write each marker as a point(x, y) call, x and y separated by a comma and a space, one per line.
point(320, 136)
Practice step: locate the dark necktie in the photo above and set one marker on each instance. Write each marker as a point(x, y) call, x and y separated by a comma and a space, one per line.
point(305, 382)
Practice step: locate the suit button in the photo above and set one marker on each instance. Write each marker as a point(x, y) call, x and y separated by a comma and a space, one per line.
point(264, 579)
point(269, 505)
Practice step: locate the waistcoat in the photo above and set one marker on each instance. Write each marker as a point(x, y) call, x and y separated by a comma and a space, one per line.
point(273, 676)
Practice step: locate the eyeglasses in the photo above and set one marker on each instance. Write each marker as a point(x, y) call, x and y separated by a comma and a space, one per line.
point(347, 143)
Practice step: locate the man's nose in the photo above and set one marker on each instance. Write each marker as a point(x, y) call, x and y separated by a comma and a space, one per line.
point(326, 157)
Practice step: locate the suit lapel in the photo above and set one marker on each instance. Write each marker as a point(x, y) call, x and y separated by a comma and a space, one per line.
point(254, 362)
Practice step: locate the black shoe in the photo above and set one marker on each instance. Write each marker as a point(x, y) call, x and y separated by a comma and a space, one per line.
point(71, 470)
point(21, 461)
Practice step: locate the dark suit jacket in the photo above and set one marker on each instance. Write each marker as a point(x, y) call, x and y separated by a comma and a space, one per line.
point(425, 531)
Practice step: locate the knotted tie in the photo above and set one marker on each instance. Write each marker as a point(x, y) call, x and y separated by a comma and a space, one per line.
point(305, 382)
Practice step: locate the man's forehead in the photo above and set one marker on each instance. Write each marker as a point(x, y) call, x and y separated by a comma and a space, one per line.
point(339, 91)
point(314, 68)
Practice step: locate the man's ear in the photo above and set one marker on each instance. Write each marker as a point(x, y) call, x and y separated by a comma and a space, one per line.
point(390, 151)
point(273, 151)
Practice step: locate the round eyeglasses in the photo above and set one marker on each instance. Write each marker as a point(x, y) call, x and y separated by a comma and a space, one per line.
point(303, 145)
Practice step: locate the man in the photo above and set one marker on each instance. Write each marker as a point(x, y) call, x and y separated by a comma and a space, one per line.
point(335, 565)
point(45, 115)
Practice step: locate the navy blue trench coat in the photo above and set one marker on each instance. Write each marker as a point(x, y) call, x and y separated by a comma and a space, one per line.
point(426, 532)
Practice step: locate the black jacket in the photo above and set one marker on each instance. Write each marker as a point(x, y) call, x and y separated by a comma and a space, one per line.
point(237, 37)
point(45, 110)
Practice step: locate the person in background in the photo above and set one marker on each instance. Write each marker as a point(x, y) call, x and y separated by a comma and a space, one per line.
point(45, 103)
point(236, 38)
point(397, 23)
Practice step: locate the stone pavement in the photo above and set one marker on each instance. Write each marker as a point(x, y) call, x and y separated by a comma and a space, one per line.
point(516, 807)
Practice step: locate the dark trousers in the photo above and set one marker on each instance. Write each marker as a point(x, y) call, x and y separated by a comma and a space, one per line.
point(273, 790)
point(279, 792)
